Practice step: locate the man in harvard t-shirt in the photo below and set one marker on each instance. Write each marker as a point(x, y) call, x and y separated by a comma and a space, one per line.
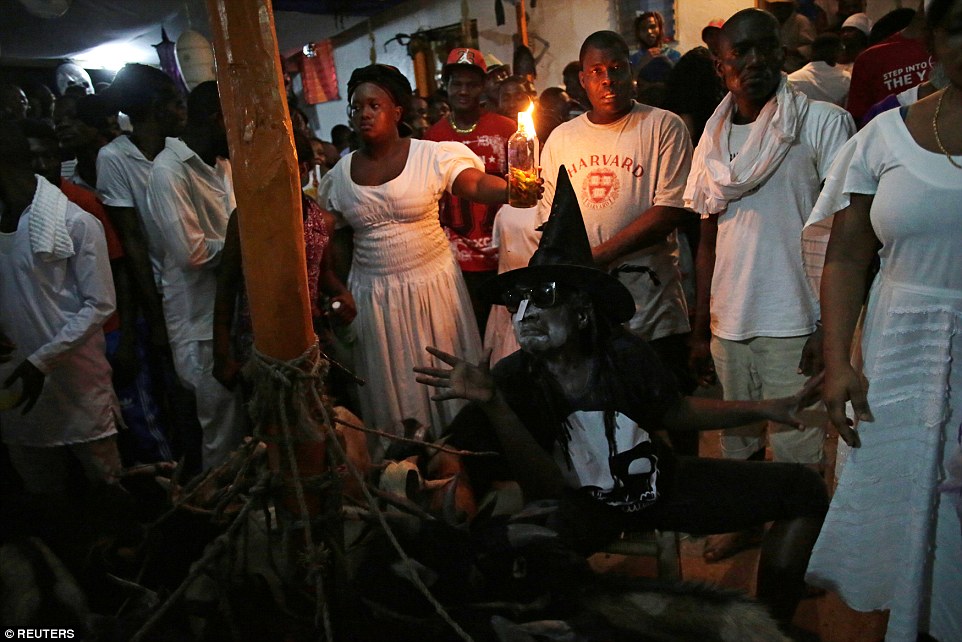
point(468, 225)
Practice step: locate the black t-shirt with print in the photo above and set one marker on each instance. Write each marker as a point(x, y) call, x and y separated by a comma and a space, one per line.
point(635, 384)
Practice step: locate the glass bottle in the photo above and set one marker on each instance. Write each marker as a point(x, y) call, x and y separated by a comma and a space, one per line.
point(523, 163)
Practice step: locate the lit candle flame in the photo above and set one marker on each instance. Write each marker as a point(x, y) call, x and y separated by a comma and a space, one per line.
point(526, 120)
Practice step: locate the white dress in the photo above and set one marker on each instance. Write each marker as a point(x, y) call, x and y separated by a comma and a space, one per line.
point(406, 284)
point(890, 540)
point(516, 237)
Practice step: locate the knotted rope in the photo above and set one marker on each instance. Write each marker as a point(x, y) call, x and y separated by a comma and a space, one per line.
point(286, 389)
point(286, 393)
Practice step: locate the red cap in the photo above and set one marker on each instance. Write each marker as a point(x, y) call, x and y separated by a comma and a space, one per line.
point(714, 25)
point(465, 56)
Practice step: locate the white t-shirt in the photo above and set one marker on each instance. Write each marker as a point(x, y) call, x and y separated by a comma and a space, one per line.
point(122, 172)
point(516, 237)
point(627, 479)
point(54, 312)
point(189, 203)
point(761, 285)
point(618, 171)
point(822, 81)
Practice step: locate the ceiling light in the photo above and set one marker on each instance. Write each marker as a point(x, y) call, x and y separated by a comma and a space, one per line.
point(114, 55)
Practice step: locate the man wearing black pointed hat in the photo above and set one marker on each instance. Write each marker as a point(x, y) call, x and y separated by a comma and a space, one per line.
point(574, 413)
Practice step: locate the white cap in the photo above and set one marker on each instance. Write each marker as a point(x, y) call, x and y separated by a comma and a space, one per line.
point(859, 21)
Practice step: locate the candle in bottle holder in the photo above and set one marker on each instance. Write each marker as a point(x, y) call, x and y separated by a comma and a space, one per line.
point(523, 161)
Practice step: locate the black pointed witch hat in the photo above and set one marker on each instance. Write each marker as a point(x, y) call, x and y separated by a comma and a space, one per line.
point(564, 256)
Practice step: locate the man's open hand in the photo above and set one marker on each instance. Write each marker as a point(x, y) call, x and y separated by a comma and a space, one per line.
point(32, 384)
point(464, 380)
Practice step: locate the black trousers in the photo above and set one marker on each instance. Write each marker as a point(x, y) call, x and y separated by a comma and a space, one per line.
point(703, 496)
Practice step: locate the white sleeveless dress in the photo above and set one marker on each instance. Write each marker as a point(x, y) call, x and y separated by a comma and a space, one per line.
point(406, 284)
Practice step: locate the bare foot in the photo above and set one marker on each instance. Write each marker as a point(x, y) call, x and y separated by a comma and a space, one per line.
point(724, 545)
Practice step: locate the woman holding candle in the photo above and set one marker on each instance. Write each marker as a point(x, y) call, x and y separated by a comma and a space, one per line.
point(404, 278)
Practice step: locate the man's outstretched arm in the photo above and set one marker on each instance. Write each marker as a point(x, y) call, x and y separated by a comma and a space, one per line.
point(531, 466)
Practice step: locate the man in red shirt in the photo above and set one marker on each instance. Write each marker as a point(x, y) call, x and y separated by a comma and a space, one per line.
point(899, 62)
point(468, 225)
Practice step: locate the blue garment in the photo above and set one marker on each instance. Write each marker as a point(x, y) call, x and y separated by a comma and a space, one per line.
point(653, 68)
point(145, 439)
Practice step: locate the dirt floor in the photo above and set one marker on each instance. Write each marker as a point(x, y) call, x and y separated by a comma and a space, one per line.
point(824, 616)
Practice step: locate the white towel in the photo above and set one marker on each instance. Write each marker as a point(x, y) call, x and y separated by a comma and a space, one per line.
point(715, 178)
point(49, 238)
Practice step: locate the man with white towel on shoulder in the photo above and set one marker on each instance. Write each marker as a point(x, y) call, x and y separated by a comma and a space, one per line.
point(56, 292)
point(755, 177)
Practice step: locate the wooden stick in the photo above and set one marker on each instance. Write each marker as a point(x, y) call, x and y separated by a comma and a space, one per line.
point(522, 18)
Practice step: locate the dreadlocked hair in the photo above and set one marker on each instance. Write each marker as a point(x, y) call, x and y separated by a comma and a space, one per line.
point(595, 339)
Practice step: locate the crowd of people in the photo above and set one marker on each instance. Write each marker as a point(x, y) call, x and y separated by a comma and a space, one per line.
point(709, 217)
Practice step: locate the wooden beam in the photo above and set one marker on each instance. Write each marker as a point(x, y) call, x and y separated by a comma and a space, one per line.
point(266, 179)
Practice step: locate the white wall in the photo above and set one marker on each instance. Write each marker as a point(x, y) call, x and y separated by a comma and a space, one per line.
point(563, 23)
point(295, 29)
point(875, 9)
point(693, 15)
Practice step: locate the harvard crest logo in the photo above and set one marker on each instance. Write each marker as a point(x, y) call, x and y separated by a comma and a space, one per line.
point(600, 188)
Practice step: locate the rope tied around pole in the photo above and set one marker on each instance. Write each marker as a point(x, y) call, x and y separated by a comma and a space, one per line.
point(406, 561)
point(277, 399)
point(287, 394)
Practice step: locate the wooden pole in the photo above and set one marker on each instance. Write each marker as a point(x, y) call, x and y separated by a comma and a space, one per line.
point(522, 18)
point(268, 192)
point(266, 181)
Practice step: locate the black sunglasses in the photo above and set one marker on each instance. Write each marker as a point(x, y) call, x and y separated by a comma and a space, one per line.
point(544, 295)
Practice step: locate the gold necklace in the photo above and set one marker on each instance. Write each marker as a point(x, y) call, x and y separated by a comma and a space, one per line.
point(935, 130)
point(462, 130)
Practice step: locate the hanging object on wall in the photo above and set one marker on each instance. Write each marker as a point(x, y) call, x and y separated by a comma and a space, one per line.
point(195, 57)
point(524, 63)
point(421, 48)
point(521, 17)
point(518, 5)
point(424, 70)
point(465, 19)
point(318, 74)
point(370, 36)
point(168, 60)
point(70, 74)
point(47, 8)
